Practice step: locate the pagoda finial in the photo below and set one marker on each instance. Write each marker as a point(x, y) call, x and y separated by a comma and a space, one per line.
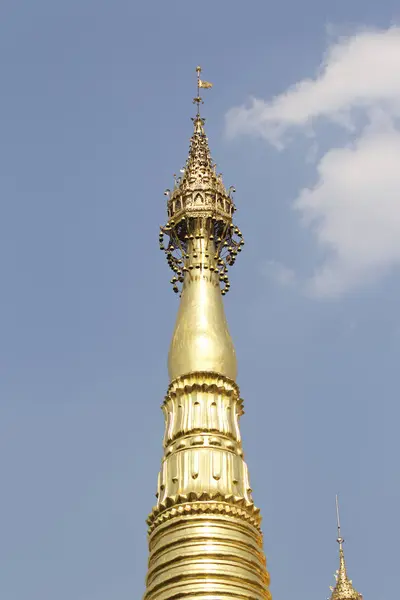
point(200, 207)
point(343, 589)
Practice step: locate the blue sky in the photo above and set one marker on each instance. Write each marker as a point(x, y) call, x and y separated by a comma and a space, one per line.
point(96, 106)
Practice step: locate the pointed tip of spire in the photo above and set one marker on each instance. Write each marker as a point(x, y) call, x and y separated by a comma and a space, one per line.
point(198, 124)
point(199, 171)
point(343, 589)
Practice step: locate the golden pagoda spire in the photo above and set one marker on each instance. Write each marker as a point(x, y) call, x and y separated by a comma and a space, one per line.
point(343, 589)
point(204, 532)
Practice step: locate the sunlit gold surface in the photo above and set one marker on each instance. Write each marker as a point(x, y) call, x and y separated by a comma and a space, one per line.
point(201, 340)
point(205, 540)
point(203, 452)
point(206, 557)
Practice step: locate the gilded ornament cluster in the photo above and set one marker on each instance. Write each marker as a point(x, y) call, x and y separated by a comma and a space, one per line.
point(199, 207)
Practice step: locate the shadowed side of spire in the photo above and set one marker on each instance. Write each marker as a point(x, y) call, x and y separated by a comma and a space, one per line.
point(343, 589)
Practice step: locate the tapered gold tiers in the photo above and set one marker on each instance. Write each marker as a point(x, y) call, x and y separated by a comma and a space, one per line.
point(205, 541)
point(344, 589)
point(204, 533)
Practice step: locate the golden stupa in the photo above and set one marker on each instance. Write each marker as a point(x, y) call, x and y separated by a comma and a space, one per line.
point(344, 589)
point(205, 541)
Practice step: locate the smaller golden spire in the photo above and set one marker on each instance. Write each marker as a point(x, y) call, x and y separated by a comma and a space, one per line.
point(343, 589)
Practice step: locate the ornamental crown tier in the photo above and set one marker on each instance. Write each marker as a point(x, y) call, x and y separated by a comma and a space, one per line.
point(200, 191)
point(200, 206)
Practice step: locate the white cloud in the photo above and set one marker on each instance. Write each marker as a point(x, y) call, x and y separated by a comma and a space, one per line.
point(280, 273)
point(353, 209)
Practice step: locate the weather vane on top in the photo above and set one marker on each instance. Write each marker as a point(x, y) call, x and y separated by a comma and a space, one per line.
point(200, 84)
